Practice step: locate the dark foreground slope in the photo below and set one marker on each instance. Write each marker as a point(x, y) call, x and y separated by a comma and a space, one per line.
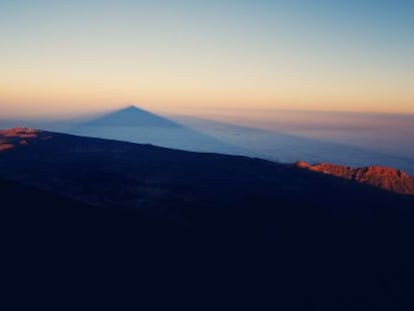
point(119, 174)
point(295, 259)
point(209, 230)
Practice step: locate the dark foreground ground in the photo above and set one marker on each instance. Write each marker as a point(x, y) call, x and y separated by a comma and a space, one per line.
point(121, 224)
point(311, 260)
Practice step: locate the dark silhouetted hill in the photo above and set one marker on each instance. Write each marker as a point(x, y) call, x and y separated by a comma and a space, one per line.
point(206, 229)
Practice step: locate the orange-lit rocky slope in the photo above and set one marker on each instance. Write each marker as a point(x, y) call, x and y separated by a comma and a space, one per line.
point(21, 136)
point(383, 177)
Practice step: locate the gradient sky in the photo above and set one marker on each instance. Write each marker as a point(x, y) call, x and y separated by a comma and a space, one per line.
point(71, 57)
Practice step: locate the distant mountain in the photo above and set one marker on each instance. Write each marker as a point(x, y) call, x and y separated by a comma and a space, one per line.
point(382, 177)
point(132, 116)
point(137, 125)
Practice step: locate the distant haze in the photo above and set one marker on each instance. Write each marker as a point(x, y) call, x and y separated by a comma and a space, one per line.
point(392, 134)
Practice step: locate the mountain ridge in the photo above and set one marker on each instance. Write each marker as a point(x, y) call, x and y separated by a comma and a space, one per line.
point(146, 173)
point(389, 179)
point(386, 178)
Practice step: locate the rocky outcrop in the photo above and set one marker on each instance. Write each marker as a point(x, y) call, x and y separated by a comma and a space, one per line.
point(18, 137)
point(382, 177)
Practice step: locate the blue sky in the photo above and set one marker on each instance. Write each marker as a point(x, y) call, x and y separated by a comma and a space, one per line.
point(64, 56)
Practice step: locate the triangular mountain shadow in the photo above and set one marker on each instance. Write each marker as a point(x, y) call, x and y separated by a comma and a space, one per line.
point(137, 125)
point(132, 116)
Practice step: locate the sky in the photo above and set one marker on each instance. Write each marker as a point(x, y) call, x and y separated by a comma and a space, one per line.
point(61, 58)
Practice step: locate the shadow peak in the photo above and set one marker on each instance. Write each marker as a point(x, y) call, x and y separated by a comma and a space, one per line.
point(132, 116)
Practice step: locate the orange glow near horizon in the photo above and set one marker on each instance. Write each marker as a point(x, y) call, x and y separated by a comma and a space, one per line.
point(74, 58)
